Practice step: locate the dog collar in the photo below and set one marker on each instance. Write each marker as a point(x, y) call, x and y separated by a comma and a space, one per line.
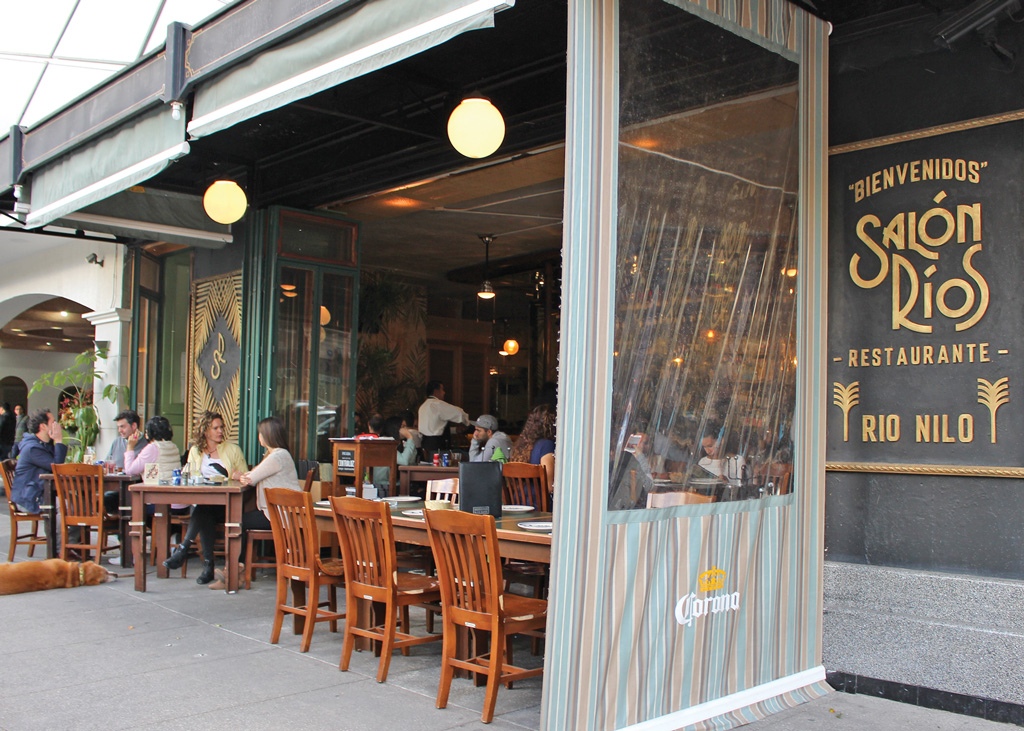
point(81, 574)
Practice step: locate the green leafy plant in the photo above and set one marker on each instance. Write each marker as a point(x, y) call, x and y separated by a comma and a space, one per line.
point(78, 413)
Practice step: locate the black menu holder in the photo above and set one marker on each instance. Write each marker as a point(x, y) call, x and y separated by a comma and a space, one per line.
point(480, 488)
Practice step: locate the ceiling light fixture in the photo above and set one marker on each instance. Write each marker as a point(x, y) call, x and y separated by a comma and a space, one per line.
point(288, 287)
point(224, 201)
point(486, 291)
point(511, 346)
point(475, 127)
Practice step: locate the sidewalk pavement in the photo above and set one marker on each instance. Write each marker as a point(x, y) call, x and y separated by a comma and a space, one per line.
point(181, 656)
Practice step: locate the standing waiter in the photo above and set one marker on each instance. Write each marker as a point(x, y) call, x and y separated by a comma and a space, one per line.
point(435, 414)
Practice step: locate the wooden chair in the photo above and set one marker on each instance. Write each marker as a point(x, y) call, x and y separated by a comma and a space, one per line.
point(472, 595)
point(262, 560)
point(368, 552)
point(297, 547)
point(80, 497)
point(443, 490)
point(35, 520)
point(526, 484)
point(780, 476)
point(670, 499)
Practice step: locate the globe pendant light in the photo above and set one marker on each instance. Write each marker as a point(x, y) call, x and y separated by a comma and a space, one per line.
point(476, 127)
point(486, 291)
point(511, 346)
point(224, 201)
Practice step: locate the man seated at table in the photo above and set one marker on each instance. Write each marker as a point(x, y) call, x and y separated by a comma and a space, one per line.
point(128, 423)
point(435, 414)
point(489, 444)
point(41, 447)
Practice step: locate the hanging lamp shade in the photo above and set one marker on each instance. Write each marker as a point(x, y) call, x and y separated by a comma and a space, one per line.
point(476, 127)
point(225, 202)
point(486, 291)
point(511, 346)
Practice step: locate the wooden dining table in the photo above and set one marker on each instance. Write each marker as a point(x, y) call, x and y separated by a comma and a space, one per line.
point(230, 494)
point(116, 481)
point(421, 473)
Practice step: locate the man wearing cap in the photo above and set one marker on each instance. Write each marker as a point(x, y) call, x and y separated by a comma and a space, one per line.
point(489, 444)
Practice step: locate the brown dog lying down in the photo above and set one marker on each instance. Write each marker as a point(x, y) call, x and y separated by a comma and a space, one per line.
point(53, 573)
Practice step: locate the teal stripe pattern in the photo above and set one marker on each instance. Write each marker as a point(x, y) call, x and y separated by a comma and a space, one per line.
point(617, 654)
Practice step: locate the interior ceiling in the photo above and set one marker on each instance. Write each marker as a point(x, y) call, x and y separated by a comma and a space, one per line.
point(375, 148)
point(55, 325)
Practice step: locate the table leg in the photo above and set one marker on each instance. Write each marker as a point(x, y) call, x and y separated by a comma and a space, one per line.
point(138, 538)
point(161, 534)
point(403, 483)
point(49, 506)
point(125, 515)
point(233, 537)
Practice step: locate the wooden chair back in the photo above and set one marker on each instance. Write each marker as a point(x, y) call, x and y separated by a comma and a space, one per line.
point(443, 490)
point(296, 541)
point(79, 492)
point(780, 477)
point(526, 484)
point(7, 470)
point(367, 545)
point(468, 563)
point(671, 499)
point(310, 478)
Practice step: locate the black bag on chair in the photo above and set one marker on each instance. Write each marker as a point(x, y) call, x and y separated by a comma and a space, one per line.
point(480, 488)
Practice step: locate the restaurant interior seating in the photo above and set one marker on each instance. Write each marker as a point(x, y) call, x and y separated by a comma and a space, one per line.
point(34, 520)
point(526, 484)
point(80, 497)
point(297, 547)
point(443, 490)
point(367, 540)
point(262, 560)
point(469, 569)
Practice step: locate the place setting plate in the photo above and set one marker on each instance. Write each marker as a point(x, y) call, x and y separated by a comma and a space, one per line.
point(540, 526)
point(398, 499)
point(415, 513)
point(517, 508)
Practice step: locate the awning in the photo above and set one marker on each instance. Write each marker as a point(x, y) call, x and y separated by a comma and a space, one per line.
point(157, 215)
point(129, 154)
point(376, 34)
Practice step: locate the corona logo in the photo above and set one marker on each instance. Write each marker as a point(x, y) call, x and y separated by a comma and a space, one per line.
point(711, 580)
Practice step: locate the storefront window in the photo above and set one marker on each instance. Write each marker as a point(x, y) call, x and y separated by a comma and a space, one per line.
point(706, 280)
point(334, 371)
point(294, 330)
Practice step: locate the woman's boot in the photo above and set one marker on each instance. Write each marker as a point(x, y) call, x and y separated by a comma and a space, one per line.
point(178, 556)
point(207, 576)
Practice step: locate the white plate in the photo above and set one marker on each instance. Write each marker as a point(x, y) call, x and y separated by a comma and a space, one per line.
point(324, 503)
point(518, 508)
point(417, 513)
point(537, 525)
point(401, 499)
point(705, 481)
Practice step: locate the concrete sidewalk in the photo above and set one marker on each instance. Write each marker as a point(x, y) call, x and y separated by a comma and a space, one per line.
point(182, 656)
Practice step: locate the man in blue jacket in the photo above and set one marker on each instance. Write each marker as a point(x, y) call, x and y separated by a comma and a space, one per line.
point(41, 447)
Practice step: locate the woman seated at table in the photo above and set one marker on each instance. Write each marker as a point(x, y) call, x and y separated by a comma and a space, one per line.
point(720, 455)
point(394, 428)
point(536, 443)
point(210, 456)
point(159, 450)
point(276, 470)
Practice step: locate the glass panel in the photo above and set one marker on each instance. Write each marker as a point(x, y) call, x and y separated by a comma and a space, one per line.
point(318, 239)
point(334, 378)
point(292, 353)
point(149, 273)
point(704, 369)
point(146, 365)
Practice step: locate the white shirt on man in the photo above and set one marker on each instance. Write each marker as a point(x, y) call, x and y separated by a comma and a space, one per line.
point(435, 414)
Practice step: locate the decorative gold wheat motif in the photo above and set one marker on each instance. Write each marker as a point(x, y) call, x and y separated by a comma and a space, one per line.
point(846, 397)
point(994, 395)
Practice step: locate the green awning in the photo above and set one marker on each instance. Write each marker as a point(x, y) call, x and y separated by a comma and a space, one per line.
point(375, 35)
point(121, 158)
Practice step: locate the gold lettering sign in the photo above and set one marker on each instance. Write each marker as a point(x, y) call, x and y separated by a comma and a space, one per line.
point(218, 358)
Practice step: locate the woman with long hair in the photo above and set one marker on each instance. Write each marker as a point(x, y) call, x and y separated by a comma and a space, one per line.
point(210, 456)
point(536, 443)
point(277, 469)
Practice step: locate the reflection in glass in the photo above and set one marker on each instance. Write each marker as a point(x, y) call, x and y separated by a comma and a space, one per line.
point(705, 290)
point(335, 361)
point(292, 355)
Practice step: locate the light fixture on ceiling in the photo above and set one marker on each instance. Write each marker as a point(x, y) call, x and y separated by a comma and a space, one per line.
point(325, 316)
point(511, 346)
point(224, 201)
point(288, 287)
point(486, 291)
point(476, 127)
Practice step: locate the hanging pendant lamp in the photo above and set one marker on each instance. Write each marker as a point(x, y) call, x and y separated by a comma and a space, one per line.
point(486, 291)
point(476, 127)
point(225, 202)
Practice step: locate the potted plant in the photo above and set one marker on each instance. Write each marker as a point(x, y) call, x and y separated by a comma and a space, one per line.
point(77, 413)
